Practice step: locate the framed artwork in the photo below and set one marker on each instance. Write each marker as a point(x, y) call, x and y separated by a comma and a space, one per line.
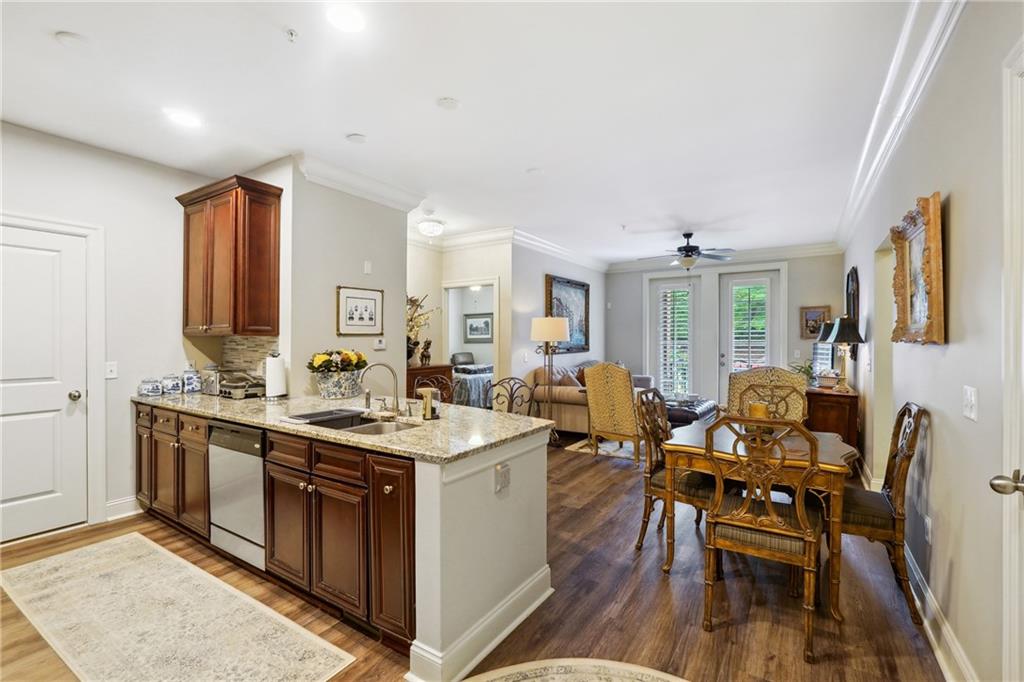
point(917, 282)
point(360, 312)
point(570, 299)
point(811, 319)
point(853, 302)
point(478, 328)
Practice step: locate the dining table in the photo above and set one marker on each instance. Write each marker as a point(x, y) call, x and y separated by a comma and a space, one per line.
point(686, 450)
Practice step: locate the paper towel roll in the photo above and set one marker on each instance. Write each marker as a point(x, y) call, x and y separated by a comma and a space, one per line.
point(277, 382)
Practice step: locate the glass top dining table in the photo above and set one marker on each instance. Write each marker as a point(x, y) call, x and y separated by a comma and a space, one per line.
point(685, 450)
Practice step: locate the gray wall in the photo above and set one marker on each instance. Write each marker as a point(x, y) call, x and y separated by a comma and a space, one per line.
point(954, 145)
point(528, 270)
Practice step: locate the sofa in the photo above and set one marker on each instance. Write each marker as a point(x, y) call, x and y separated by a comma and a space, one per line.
point(568, 402)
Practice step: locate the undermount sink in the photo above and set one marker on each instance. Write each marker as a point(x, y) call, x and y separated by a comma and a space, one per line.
point(375, 428)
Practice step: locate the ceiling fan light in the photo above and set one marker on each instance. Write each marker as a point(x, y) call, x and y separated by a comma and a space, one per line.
point(430, 227)
point(688, 261)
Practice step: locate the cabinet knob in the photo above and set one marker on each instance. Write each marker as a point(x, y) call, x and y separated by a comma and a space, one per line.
point(310, 488)
point(145, 436)
point(388, 489)
point(302, 485)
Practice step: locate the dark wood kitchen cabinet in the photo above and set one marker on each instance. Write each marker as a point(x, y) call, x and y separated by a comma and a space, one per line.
point(232, 254)
point(339, 544)
point(831, 412)
point(165, 473)
point(194, 496)
point(172, 468)
point(287, 524)
point(392, 604)
point(143, 456)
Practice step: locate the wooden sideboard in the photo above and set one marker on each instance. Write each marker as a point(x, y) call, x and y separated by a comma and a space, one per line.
point(413, 373)
point(834, 412)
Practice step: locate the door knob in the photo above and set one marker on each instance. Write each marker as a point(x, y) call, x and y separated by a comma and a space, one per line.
point(75, 396)
point(1006, 485)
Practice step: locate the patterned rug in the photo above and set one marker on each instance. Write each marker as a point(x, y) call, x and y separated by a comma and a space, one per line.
point(609, 448)
point(128, 609)
point(575, 670)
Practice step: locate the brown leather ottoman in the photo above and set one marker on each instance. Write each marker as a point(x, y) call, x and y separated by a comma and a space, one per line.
point(685, 413)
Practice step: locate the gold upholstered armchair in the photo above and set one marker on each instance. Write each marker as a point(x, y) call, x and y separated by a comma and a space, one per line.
point(611, 406)
point(784, 391)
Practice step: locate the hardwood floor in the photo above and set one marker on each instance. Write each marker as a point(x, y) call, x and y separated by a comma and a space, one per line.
point(609, 601)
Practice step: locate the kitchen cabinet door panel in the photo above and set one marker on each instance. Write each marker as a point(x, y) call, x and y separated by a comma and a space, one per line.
point(287, 536)
point(194, 500)
point(258, 266)
point(196, 252)
point(339, 545)
point(165, 474)
point(392, 604)
point(143, 466)
point(220, 286)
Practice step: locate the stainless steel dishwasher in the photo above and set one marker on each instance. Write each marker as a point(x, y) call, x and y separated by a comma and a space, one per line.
point(236, 492)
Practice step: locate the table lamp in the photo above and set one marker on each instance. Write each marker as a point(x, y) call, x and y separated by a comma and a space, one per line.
point(549, 331)
point(844, 333)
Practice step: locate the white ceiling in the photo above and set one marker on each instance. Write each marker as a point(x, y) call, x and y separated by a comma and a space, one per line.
point(742, 121)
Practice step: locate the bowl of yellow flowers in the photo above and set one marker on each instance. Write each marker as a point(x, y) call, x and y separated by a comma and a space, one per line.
point(337, 372)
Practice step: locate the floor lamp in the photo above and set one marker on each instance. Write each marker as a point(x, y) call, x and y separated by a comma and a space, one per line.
point(549, 331)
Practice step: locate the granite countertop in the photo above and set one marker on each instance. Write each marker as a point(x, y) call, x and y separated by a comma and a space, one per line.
point(461, 432)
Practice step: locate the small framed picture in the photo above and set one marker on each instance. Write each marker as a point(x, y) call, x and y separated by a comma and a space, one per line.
point(360, 312)
point(478, 328)
point(811, 319)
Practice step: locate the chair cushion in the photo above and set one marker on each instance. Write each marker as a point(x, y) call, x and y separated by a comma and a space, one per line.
point(569, 380)
point(762, 539)
point(689, 483)
point(867, 508)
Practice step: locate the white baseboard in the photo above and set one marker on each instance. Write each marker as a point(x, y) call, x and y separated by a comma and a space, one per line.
point(429, 665)
point(949, 653)
point(870, 483)
point(126, 506)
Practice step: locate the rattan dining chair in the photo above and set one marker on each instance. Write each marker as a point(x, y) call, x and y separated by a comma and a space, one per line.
point(880, 516)
point(692, 487)
point(784, 391)
point(754, 523)
point(611, 408)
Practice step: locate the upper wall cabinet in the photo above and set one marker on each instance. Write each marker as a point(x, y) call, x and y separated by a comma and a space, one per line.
point(232, 253)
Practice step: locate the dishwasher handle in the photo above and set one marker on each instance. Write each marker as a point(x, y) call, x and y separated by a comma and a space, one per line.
point(237, 438)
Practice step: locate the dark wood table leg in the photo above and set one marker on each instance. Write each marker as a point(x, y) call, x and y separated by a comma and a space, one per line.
point(670, 511)
point(835, 547)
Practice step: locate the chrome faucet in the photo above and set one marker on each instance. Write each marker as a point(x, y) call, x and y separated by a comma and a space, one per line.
point(394, 376)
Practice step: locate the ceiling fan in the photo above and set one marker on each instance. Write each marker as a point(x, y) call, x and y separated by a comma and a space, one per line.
point(688, 254)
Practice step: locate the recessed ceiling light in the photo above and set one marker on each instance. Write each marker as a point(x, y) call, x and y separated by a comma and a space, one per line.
point(356, 138)
point(431, 227)
point(68, 38)
point(449, 103)
point(346, 17)
point(186, 119)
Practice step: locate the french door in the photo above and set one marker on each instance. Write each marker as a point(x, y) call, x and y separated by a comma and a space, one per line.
point(673, 349)
point(749, 323)
point(43, 482)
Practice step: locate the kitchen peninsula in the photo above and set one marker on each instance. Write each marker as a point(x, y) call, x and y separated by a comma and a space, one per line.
point(434, 535)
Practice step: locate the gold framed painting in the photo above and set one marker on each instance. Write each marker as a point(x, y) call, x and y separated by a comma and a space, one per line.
point(811, 319)
point(917, 283)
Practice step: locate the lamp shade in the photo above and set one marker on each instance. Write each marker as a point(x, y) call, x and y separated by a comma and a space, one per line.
point(845, 331)
point(550, 329)
point(826, 331)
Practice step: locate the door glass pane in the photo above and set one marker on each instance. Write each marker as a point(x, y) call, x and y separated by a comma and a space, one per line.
point(673, 326)
point(749, 325)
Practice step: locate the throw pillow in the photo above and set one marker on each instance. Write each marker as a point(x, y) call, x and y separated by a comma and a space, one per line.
point(581, 378)
point(569, 380)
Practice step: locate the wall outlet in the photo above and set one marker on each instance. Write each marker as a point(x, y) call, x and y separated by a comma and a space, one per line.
point(608, 305)
point(111, 370)
point(796, 354)
point(971, 403)
point(380, 343)
point(502, 476)
point(928, 529)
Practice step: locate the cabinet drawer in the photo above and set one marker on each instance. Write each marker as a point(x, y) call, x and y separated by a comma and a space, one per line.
point(143, 415)
point(288, 450)
point(166, 421)
point(337, 461)
point(193, 428)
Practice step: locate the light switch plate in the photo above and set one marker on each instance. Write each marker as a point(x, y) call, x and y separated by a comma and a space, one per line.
point(971, 403)
point(380, 344)
point(928, 529)
point(367, 267)
point(502, 476)
point(111, 370)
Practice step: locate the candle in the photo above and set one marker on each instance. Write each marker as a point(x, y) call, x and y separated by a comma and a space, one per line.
point(758, 410)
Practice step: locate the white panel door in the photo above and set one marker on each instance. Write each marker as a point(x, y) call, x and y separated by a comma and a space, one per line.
point(749, 317)
point(43, 482)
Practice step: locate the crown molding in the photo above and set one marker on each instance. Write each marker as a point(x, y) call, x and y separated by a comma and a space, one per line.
point(504, 236)
point(880, 151)
point(535, 243)
point(359, 185)
point(775, 253)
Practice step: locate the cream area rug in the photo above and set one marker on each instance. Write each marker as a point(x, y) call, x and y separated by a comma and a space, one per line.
point(128, 609)
point(609, 448)
point(575, 670)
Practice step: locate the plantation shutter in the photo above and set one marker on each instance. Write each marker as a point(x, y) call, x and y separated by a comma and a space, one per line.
point(749, 325)
point(821, 357)
point(674, 340)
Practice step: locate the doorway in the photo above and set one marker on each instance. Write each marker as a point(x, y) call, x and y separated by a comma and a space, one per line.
point(470, 321)
point(750, 322)
point(883, 409)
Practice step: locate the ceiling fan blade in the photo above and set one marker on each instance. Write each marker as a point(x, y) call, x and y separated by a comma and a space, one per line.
point(719, 250)
point(657, 257)
point(714, 256)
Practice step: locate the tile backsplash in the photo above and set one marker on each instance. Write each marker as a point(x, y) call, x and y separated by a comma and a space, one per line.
point(247, 353)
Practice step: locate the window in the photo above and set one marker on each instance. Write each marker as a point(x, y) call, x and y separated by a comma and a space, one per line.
point(674, 339)
point(821, 357)
point(749, 324)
